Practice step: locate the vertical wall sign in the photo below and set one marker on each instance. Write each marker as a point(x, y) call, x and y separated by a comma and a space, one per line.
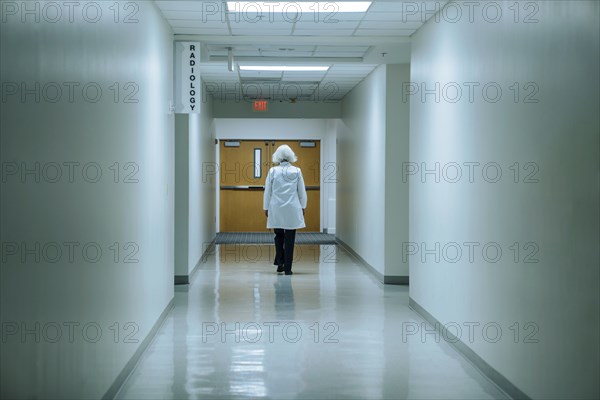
point(188, 86)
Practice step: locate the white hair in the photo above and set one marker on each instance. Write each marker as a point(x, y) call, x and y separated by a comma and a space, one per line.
point(284, 153)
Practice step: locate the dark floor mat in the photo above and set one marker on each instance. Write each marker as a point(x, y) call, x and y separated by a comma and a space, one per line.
point(267, 238)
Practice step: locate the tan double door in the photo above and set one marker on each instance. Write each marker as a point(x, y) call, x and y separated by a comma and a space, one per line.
point(243, 168)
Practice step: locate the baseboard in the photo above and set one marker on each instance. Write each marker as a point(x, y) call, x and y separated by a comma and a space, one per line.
point(185, 279)
point(395, 280)
point(387, 280)
point(182, 279)
point(135, 358)
point(486, 369)
point(361, 260)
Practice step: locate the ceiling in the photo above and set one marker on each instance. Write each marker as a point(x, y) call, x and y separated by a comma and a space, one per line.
point(352, 44)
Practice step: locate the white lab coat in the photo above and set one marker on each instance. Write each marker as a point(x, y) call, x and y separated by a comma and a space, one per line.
point(285, 197)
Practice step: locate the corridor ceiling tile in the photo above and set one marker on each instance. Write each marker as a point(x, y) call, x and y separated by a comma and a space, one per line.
point(238, 53)
point(405, 10)
point(259, 74)
point(389, 25)
point(193, 23)
point(260, 32)
point(295, 54)
point(263, 19)
point(200, 31)
point(261, 25)
point(195, 15)
point(345, 39)
point(395, 6)
point(333, 16)
point(386, 16)
point(339, 54)
point(339, 72)
point(342, 67)
point(308, 24)
point(334, 49)
point(323, 32)
point(384, 32)
point(182, 5)
point(396, 17)
point(212, 47)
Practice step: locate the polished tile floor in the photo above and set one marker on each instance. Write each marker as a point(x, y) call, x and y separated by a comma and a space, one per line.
point(330, 331)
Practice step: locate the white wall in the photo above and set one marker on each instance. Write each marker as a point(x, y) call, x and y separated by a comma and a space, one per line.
point(138, 213)
point(202, 183)
point(182, 198)
point(396, 153)
point(195, 189)
point(559, 214)
point(372, 144)
point(291, 128)
point(361, 169)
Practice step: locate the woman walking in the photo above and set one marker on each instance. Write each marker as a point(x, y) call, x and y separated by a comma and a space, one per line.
point(284, 203)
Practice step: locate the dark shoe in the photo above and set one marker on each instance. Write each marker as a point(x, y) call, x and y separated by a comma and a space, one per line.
point(288, 272)
point(280, 268)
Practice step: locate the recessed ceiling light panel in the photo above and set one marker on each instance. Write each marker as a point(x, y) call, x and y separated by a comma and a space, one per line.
point(283, 68)
point(295, 6)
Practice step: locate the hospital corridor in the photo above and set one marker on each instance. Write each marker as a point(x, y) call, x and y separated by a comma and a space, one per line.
point(385, 199)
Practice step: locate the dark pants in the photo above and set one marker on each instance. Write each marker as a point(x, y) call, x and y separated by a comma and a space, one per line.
point(284, 247)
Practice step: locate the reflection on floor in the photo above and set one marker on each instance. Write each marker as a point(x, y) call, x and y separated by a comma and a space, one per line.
point(330, 331)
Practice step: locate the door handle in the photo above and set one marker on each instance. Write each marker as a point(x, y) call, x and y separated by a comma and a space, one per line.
point(243, 187)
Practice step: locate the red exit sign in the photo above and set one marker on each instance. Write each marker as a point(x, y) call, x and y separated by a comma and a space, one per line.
point(260, 105)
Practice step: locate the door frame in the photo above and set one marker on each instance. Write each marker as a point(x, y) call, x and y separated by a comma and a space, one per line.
point(218, 177)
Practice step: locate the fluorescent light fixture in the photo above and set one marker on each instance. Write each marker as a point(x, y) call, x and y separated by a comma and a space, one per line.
point(281, 68)
point(295, 6)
